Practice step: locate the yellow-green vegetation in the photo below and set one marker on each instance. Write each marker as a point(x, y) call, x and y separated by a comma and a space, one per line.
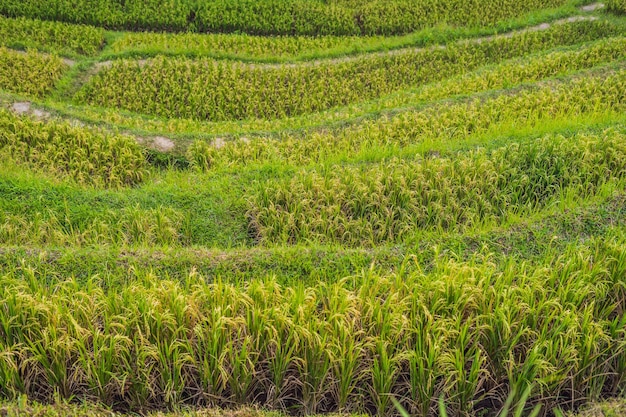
point(459, 331)
point(214, 90)
point(278, 17)
point(606, 409)
point(25, 408)
point(244, 46)
point(301, 48)
point(86, 156)
point(433, 126)
point(50, 36)
point(617, 6)
point(399, 207)
point(565, 61)
point(387, 202)
point(29, 73)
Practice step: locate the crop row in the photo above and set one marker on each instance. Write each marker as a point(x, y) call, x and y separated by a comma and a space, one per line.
point(589, 94)
point(241, 46)
point(373, 17)
point(50, 36)
point(390, 201)
point(29, 73)
point(617, 6)
point(131, 226)
point(273, 49)
point(214, 90)
point(277, 17)
point(465, 332)
point(276, 49)
point(86, 156)
point(504, 75)
point(515, 72)
point(41, 207)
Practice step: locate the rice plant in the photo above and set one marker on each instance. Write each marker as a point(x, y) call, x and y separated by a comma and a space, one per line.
point(86, 156)
point(149, 343)
point(441, 123)
point(50, 36)
point(29, 73)
point(386, 202)
point(213, 90)
point(616, 6)
point(273, 17)
point(565, 63)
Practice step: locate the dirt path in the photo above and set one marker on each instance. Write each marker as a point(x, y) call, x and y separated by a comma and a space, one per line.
point(592, 7)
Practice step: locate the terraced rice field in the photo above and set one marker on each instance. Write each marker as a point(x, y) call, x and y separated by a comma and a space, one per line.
point(305, 207)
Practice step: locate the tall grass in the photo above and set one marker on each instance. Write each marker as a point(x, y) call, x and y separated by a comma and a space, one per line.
point(590, 94)
point(469, 333)
point(387, 202)
point(86, 156)
point(213, 90)
point(29, 73)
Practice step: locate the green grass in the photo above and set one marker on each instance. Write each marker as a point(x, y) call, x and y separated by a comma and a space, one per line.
point(435, 230)
point(586, 98)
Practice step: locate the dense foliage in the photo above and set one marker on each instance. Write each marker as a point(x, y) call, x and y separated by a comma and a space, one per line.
point(276, 17)
point(238, 222)
point(617, 6)
point(29, 73)
point(86, 156)
point(389, 201)
point(463, 331)
point(445, 122)
point(214, 90)
point(50, 36)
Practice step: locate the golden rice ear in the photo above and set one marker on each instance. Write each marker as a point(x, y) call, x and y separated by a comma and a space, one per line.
point(209, 90)
point(32, 74)
point(467, 335)
point(389, 202)
point(84, 155)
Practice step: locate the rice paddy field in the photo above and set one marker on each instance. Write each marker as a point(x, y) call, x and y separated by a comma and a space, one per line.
point(271, 208)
